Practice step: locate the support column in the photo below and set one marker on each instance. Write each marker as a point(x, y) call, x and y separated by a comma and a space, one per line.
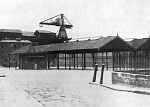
point(57, 60)
point(135, 59)
point(9, 60)
point(102, 58)
point(107, 60)
point(69, 61)
point(77, 60)
point(84, 60)
point(113, 60)
point(118, 61)
point(48, 63)
point(131, 55)
point(93, 59)
point(120, 64)
point(148, 60)
point(74, 63)
point(65, 61)
point(20, 62)
point(146, 57)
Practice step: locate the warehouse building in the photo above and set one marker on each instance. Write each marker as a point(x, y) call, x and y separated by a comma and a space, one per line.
point(12, 39)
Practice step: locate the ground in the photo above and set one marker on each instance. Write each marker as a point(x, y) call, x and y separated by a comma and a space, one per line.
point(71, 88)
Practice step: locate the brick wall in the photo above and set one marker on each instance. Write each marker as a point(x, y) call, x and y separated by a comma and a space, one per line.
point(135, 80)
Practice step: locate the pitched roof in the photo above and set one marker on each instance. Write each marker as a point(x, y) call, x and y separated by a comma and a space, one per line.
point(145, 45)
point(110, 43)
point(137, 43)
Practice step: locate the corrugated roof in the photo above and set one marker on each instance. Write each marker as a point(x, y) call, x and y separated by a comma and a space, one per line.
point(105, 43)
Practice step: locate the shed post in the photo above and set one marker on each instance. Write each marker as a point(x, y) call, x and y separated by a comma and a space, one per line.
point(148, 60)
point(134, 56)
point(9, 61)
point(74, 60)
point(20, 61)
point(18, 64)
point(113, 60)
point(84, 60)
point(69, 61)
point(77, 60)
point(48, 63)
point(65, 60)
point(107, 60)
point(120, 60)
point(131, 56)
point(102, 58)
point(57, 60)
point(93, 59)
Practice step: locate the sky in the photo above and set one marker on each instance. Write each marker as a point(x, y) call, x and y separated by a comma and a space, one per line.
point(90, 18)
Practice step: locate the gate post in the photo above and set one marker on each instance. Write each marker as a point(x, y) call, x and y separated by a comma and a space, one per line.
point(95, 72)
point(102, 72)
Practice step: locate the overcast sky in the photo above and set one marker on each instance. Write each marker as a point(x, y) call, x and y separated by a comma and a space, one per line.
point(130, 18)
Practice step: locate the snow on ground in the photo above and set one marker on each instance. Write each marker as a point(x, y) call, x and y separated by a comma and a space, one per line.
point(71, 88)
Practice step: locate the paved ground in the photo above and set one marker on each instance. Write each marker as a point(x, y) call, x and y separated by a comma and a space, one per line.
point(64, 88)
point(10, 96)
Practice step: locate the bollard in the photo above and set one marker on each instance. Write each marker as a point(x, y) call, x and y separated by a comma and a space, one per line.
point(102, 72)
point(95, 72)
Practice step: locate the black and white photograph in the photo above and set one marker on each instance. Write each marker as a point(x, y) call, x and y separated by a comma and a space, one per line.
point(75, 53)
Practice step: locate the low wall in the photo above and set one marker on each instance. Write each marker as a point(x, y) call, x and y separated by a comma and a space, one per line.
point(135, 80)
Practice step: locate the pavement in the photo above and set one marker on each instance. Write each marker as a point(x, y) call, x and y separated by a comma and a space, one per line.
point(13, 97)
point(107, 83)
point(125, 88)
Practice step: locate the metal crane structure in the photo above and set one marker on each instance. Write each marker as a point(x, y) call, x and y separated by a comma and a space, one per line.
point(61, 21)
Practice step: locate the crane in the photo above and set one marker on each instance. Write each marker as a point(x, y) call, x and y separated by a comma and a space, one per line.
point(61, 21)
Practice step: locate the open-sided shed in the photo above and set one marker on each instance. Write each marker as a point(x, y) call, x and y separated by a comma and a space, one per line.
point(77, 54)
point(142, 61)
